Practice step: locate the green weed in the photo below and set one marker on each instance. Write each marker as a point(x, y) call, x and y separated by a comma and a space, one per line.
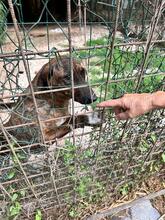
point(38, 215)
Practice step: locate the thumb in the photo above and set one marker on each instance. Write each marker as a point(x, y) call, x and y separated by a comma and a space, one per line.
point(123, 115)
point(111, 103)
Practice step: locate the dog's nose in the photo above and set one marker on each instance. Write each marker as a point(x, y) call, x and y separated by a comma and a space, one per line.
point(89, 100)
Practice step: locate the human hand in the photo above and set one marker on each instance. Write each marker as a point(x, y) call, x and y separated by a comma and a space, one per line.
point(130, 105)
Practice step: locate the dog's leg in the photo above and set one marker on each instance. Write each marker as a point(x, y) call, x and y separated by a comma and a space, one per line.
point(89, 119)
point(59, 132)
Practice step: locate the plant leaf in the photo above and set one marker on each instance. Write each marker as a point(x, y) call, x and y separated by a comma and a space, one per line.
point(163, 157)
point(14, 197)
point(10, 175)
point(38, 215)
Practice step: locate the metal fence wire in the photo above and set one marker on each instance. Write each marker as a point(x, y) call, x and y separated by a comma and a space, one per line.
point(66, 155)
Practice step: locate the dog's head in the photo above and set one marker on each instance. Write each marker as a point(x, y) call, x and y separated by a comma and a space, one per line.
point(57, 74)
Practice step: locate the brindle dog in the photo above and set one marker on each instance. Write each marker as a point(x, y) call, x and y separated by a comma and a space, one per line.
point(54, 74)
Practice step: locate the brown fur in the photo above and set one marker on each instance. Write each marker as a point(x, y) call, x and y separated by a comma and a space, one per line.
point(54, 74)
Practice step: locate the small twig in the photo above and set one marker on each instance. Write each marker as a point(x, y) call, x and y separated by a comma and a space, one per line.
point(106, 4)
point(53, 180)
point(5, 191)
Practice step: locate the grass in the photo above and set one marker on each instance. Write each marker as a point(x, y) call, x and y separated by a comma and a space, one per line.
point(86, 181)
point(125, 64)
point(80, 163)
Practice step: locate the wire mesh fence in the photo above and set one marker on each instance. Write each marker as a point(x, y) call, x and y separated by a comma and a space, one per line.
point(56, 152)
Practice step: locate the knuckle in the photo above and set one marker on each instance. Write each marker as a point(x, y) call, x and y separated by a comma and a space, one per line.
point(127, 95)
point(131, 116)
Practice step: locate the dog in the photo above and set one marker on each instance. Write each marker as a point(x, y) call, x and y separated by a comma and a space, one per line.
point(52, 107)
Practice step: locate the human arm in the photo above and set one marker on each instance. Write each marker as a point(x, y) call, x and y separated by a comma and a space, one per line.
point(134, 105)
point(158, 100)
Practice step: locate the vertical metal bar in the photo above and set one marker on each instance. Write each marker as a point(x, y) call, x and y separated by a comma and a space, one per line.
point(79, 13)
point(52, 176)
point(11, 8)
point(158, 9)
point(85, 23)
point(72, 84)
point(154, 22)
point(112, 46)
point(108, 76)
point(71, 63)
point(110, 62)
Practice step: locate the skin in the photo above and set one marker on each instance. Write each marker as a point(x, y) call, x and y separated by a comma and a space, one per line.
point(134, 105)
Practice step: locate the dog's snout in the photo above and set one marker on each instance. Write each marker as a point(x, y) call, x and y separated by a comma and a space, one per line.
point(89, 99)
point(85, 95)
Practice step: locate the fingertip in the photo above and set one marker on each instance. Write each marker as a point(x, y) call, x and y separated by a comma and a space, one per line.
point(99, 105)
point(110, 103)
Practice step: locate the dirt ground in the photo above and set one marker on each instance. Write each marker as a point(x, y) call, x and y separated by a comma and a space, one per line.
point(153, 184)
point(89, 209)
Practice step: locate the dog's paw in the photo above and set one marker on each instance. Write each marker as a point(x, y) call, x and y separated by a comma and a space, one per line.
point(89, 119)
point(94, 119)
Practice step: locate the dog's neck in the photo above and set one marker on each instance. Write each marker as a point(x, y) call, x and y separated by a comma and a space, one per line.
point(55, 100)
point(58, 100)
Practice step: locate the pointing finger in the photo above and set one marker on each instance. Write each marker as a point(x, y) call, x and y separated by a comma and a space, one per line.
point(111, 103)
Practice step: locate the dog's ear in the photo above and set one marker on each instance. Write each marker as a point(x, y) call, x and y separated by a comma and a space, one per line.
point(55, 73)
point(79, 70)
point(40, 80)
point(53, 70)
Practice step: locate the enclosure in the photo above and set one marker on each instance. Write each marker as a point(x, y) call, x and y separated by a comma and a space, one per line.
point(90, 170)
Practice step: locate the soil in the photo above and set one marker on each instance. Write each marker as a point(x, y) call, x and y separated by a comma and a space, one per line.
point(41, 38)
point(153, 184)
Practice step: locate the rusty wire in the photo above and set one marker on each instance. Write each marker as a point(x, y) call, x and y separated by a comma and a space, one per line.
point(49, 178)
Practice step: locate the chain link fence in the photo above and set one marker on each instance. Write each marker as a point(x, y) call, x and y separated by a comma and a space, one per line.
point(121, 45)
